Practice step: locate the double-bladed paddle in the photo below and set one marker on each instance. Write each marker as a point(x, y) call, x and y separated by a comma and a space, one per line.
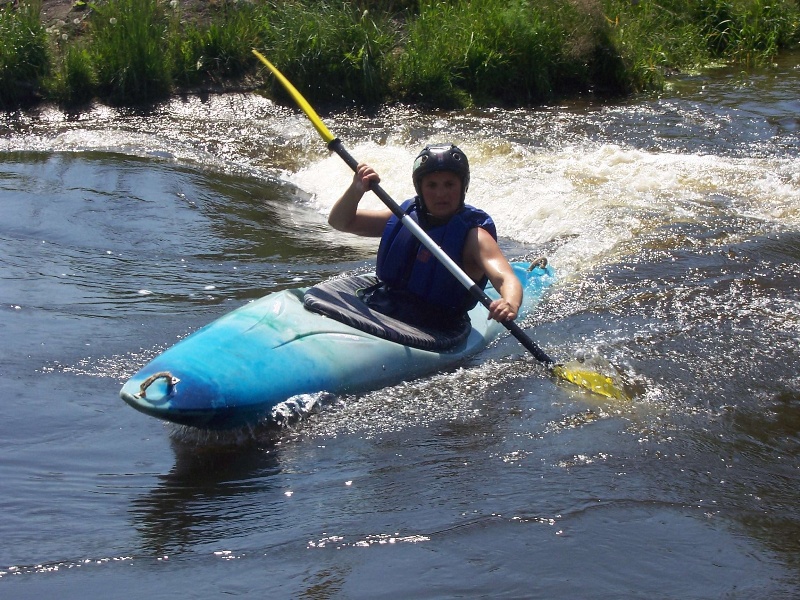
point(590, 380)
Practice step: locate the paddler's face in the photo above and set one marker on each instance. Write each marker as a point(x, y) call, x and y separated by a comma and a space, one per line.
point(441, 192)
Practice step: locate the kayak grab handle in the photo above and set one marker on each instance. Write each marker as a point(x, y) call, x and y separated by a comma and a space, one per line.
point(171, 383)
point(540, 262)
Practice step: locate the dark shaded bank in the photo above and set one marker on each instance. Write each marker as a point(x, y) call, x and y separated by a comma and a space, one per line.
point(439, 54)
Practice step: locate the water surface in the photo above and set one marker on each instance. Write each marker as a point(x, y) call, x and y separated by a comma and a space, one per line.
point(674, 223)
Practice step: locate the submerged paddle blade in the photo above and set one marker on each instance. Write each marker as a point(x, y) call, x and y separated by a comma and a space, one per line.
point(591, 380)
point(297, 96)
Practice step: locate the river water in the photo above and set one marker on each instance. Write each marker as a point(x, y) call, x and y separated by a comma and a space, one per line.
point(674, 225)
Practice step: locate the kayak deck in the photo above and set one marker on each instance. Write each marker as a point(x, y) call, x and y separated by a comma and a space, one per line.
point(343, 299)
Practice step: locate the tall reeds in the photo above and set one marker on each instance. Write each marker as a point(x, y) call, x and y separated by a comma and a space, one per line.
point(516, 52)
point(440, 52)
point(657, 37)
point(747, 32)
point(129, 50)
point(218, 50)
point(333, 52)
point(24, 54)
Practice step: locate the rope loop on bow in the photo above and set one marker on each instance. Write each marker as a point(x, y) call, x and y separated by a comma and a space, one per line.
point(171, 382)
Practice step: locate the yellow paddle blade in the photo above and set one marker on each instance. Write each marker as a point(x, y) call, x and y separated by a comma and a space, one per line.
point(301, 102)
point(588, 379)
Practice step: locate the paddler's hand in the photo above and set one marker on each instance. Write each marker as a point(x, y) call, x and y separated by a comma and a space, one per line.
point(345, 214)
point(502, 310)
point(364, 177)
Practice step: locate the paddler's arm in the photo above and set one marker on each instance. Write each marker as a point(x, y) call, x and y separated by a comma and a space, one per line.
point(345, 214)
point(488, 258)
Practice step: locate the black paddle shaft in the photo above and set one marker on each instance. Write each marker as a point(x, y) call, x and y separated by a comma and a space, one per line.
point(336, 145)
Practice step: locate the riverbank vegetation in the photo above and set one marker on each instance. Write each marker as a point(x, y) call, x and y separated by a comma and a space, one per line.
point(453, 53)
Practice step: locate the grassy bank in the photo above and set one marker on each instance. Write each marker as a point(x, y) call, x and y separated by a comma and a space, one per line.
point(446, 54)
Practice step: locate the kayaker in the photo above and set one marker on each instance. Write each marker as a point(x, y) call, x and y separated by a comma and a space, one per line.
point(414, 286)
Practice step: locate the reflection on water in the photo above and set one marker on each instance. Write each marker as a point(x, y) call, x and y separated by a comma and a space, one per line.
point(211, 493)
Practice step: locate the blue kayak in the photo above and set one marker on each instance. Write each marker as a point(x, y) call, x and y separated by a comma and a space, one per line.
point(237, 369)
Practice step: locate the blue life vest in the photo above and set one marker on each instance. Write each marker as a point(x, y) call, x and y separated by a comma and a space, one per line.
point(405, 264)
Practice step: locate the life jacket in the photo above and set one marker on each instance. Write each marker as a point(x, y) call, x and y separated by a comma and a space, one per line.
point(405, 264)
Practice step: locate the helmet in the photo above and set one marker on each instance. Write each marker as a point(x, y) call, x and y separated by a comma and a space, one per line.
point(442, 157)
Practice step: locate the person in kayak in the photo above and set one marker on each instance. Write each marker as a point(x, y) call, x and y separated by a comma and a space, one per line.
point(414, 286)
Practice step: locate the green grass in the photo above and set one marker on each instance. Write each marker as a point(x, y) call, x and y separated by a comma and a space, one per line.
point(333, 52)
point(24, 54)
point(657, 37)
point(73, 81)
point(652, 40)
point(746, 32)
point(217, 51)
point(519, 52)
point(129, 50)
point(442, 53)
